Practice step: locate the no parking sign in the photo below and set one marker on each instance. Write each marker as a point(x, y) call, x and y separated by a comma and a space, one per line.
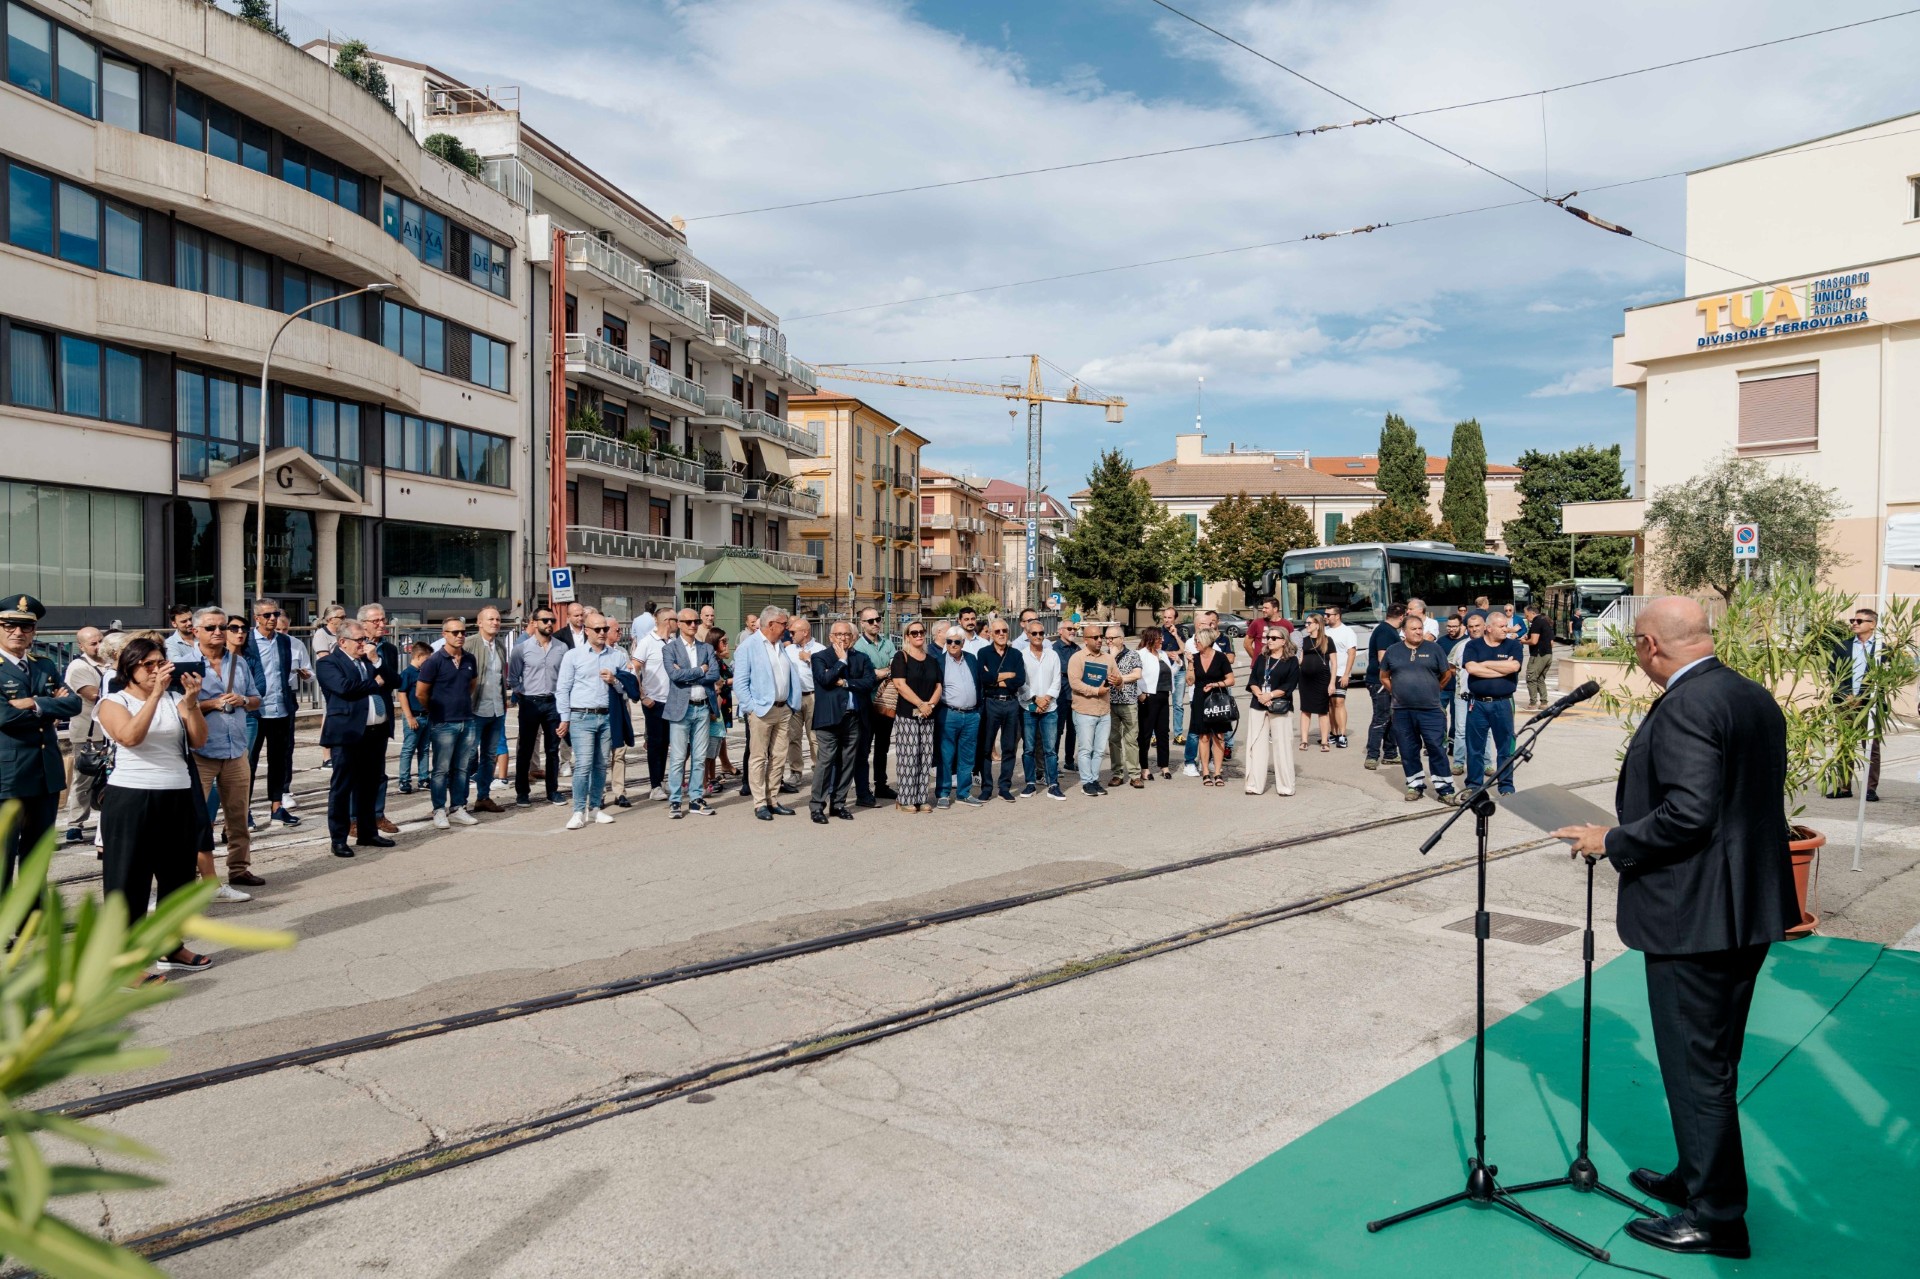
point(1746, 541)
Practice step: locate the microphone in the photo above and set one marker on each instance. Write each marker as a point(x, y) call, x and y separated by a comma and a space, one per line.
point(1589, 689)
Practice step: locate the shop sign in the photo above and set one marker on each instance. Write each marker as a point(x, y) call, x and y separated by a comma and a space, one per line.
point(438, 588)
point(1783, 310)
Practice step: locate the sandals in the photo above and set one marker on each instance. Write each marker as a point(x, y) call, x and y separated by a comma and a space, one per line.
point(192, 963)
point(1303, 743)
point(1325, 749)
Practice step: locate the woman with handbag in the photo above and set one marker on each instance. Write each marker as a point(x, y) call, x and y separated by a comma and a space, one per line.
point(1213, 705)
point(916, 681)
point(1270, 687)
point(1317, 654)
point(1156, 699)
point(151, 817)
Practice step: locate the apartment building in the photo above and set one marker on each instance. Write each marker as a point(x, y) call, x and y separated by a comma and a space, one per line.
point(673, 381)
point(865, 537)
point(1052, 521)
point(178, 184)
point(960, 539)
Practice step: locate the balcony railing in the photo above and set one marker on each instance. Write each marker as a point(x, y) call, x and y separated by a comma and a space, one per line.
point(635, 279)
point(939, 520)
point(785, 433)
point(723, 409)
point(728, 335)
point(584, 446)
point(727, 482)
point(588, 353)
point(793, 564)
point(612, 544)
point(798, 501)
point(882, 473)
point(935, 563)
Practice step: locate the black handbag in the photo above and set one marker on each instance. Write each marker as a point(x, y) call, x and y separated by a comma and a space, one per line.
point(1218, 711)
point(93, 757)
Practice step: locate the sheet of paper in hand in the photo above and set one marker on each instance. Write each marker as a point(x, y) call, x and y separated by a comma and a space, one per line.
point(1551, 807)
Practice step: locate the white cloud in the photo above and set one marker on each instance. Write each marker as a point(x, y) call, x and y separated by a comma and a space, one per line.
point(1577, 382)
point(1545, 307)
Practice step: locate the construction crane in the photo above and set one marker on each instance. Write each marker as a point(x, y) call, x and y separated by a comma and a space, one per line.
point(1034, 393)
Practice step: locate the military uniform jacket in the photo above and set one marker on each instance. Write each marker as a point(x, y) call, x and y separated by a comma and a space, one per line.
point(30, 761)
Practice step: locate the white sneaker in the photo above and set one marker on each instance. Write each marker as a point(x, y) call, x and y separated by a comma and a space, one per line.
point(600, 816)
point(1190, 771)
point(461, 817)
point(566, 771)
point(658, 793)
point(576, 821)
point(287, 802)
point(228, 893)
point(440, 819)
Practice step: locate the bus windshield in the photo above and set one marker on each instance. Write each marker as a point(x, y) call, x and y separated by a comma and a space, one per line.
point(1354, 581)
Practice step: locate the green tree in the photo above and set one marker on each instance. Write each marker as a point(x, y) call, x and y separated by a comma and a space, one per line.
point(454, 152)
point(259, 13)
point(1242, 537)
point(351, 61)
point(1403, 464)
point(1534, 541)
point(1392, 522)
point(1689, 526)
point(1117, 553)
point(1463, 504)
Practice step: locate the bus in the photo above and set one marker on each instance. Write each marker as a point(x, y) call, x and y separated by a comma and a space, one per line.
point(1590, 595)
point(1365, 577)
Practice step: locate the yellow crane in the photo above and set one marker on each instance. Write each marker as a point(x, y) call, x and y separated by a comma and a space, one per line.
point(1033, 393)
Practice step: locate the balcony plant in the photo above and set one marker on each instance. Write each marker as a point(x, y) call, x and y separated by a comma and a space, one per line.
point(587, 418)
point(1789, 634)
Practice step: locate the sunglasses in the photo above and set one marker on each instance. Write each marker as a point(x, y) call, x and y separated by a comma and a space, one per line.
point(956, 643)
point(463, 632)
point(869, 621)
point(153, 663)
point(915, 634)
point(1857, 621)
point(544, 621)
point(266, 614)
point(21, 626)
point(598, 630)
point(235, 626)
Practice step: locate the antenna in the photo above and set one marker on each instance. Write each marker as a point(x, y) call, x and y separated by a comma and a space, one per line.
point(1199, 397)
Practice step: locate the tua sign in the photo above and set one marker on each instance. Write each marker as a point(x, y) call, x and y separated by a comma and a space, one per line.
point(1783, 310)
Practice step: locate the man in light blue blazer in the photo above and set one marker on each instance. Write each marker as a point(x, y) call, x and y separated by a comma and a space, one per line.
point(766, 689)
point(692, 672)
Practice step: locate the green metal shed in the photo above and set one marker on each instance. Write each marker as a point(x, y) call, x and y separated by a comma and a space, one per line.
point(737, 582)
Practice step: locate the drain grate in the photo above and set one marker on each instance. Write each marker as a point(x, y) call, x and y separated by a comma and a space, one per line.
point(1517, 929)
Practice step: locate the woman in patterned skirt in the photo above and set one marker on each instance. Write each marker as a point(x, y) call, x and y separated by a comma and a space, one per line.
point(918, 683)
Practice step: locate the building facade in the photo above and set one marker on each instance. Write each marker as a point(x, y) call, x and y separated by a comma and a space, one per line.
point(960, 539)
point(1503, 489)
point(865, 537)
point(1805, 358)
point(1189, 486)
point(1052, 520)
point(179, 183)
point(676, 380)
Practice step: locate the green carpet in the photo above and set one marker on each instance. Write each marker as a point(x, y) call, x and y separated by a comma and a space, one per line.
point(1830, 1107)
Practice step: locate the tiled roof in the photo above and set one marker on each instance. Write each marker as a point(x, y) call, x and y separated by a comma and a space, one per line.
point(1366, 468)
point(1255, 479)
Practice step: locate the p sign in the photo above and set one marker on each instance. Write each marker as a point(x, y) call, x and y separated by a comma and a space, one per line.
point(560, 585)
point(1746, 541)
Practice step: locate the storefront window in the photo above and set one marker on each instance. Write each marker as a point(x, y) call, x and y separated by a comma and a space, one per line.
point(195, 554)
point(73, 547)
point(290, 559)
point(433, 561)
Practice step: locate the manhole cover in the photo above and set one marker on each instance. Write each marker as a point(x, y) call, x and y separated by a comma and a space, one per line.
point(1517, 929)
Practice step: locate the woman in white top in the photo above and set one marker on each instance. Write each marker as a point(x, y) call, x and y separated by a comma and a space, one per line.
point(149, 822)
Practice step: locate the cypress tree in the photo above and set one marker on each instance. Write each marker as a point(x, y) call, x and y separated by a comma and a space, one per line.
point(1403, 465)
point(1463, 505)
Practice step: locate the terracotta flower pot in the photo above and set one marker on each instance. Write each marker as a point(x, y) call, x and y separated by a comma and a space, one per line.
point(1804, 847)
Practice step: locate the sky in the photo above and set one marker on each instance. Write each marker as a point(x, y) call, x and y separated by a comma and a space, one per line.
point(702, 108)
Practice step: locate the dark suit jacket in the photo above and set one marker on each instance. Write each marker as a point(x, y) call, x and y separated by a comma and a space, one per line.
point(30, 762)
point(389, 658)
point(1702, 842)
point(347, 692)
point(841, 690)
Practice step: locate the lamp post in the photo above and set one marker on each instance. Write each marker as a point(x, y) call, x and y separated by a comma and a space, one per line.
point(266, 364)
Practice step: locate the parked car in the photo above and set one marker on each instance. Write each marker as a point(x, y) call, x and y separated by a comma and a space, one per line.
point(1233, 626)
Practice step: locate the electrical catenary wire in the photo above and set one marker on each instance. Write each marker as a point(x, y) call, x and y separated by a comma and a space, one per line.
point(1290, 134)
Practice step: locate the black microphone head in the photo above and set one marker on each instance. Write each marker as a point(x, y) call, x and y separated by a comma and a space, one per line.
point(1589, 689)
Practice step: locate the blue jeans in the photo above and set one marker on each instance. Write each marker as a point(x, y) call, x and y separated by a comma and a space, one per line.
point(1417, 728)
point(959, 738)
point(1092, 730)
point(489, 740)
point(592, 739)
point(687, 741)
point(1039, 731)
point(452, 758)
point(1484, 718)
point(1179, 705)
point(416, 748)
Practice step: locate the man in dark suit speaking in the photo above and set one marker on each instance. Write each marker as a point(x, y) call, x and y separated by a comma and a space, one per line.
point(1705, 887)
point(355, 732)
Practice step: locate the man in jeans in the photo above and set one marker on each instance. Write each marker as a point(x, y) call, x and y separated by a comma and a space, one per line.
point(1492, 666)
point(492, 655)
point(692, 672)
point(585, 693)
point(1414, 674)
point(1092, 705)
point(959, 720)
point(533, 675)
point(226, 695)
point(875, 734)
point(445, 688)
point(270, 661)
point(1040, 711)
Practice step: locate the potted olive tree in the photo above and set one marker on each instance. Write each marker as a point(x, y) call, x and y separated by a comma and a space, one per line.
point(1789, 634)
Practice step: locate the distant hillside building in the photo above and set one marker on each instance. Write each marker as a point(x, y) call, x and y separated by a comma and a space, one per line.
point(1503, 489)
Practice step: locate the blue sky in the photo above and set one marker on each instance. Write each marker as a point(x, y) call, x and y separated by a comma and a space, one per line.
point(705, 106)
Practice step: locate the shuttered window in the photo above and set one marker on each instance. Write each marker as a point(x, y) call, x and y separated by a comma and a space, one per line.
point(1780, 414)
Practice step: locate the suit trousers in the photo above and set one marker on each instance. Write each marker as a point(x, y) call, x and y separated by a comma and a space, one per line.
point(539, 726)
point(798, 734)
point(658, 740)
point(767, 752)
point(1699, 1004)
point(354, 788)
point(34, 819)
point(999, 727)
point(377, 740)
point(833, 762)
point(277, 736)
point(873, 740)
point(229, 777)
point(1154, 709)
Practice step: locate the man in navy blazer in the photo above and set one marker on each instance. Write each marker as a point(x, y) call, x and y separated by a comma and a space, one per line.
point(843, 684)
point(355, 731)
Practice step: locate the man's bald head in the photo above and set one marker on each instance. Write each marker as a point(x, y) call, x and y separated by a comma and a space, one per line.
point(1670, 633)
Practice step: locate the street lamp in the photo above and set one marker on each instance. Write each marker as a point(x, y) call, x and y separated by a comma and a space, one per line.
point(266, 363)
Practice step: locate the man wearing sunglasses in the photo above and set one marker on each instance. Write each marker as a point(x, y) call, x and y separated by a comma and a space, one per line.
point(445, 686)
point(589, 681)
point(355, 732)
point(875, 733)
point(270, 661)
point(32, 701)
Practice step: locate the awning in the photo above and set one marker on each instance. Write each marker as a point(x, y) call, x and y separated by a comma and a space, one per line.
point(774, 458)
point(1903, 541)
point(730, 445)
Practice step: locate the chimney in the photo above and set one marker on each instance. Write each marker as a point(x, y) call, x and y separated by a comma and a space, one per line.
point(1189, 449)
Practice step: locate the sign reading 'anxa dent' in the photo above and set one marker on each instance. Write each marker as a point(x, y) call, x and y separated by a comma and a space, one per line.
point(1783, 310)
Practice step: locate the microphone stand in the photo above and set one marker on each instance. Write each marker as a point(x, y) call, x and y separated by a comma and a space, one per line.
point(1482, 1189)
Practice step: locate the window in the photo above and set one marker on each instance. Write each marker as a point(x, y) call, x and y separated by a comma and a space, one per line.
point(29, 50)
point(613, 417)
point(72, 223)
point(443, 346)
point(859, 444)
point(196, 552)
point(120, 94)
point(440, 242)
point(659, 517)
point(613, 511)
point(613, 331)
point(1780, 410)
point(459, 562)
point(739, 389)
point(79, 74)
point(325, 427)
point(29, 210)
point(573, 503)
point(773, 404)
point(189, 118)
point(293, 164)
point(660, 351)
point(223, 132)
point(77, 375)
point(30, 361)
point(1333, 521)
point(859, 559)
point(74, 547)
point(426, 447)
point(256, 148)
point(189, 259)
point(817, 552)
point(859, 506)
point(217, 417)
point(121, 245)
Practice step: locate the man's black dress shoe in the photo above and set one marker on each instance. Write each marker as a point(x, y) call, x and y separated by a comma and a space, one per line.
point(1873, 796)
point(843, 813)
point(788, 788)
point(1664, 1186)
point(783, 810)
point(376, 841)
point(1680, 1233)
point(866, 803)
point(819, 817)
point(764, 814)
point(341, 850)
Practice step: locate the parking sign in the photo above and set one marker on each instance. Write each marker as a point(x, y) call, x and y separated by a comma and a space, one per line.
point(1746, 541)
point(560, 585)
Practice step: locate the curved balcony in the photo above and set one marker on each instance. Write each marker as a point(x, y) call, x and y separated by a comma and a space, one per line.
point(764, 349)
point(665, 300)
point(727, 484)
point(720, 411)
point(613, 548)
point(592, 361)
point(724, 338)
point(795, 439)
point(622, 461)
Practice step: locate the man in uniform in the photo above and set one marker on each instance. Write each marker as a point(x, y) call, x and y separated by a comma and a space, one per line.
point(32, 701)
